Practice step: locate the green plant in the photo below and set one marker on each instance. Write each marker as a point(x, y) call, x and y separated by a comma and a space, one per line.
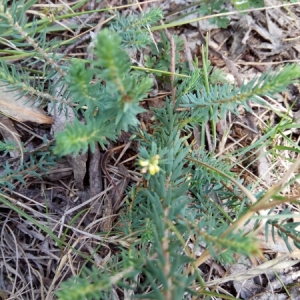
point(117, 101)
point(160, 58)
point(185, 191)
point(132, 28)
point(177, 201)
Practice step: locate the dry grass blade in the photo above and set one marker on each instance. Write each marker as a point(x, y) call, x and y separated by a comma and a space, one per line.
point(274, 265)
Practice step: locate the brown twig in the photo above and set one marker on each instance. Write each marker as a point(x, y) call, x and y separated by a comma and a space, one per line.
point(103, 163)
point(95, 173)
point(172, 64)
point(189, 58)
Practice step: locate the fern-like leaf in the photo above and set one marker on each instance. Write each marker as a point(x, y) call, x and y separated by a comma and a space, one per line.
point(78, 136)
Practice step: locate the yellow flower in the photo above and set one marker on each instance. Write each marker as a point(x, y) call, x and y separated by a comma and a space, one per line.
point(153, 169)
point(150, 165)
point(144, 163)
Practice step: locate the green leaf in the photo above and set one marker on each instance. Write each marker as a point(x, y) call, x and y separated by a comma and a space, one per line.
point(77, 136)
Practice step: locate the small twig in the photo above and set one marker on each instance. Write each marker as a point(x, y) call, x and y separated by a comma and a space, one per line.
point(208, 136)
point(189, 58)
point(173, 62)
point(287, 232)
point(188, 53)
point(84, 38)
point(89, 18)
point(103, 163)
point(95, 173)
point(166, 252)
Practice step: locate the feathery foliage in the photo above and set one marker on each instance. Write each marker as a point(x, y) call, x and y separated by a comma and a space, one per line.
point(132, 28)
point(117, 100)
point(183, 205)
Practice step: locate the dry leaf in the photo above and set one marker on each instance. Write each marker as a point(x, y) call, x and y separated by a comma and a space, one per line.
point(263, 167)
point(21, 108)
